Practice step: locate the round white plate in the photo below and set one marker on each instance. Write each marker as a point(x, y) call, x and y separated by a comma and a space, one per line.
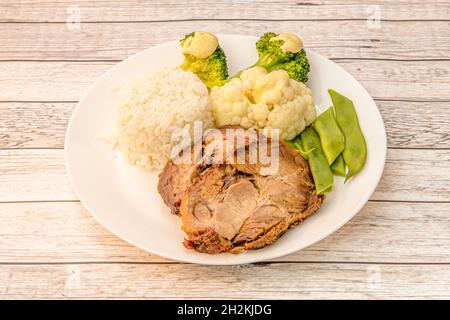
point(124, 198)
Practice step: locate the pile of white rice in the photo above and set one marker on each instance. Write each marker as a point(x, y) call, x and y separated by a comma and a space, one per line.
point(151, 108)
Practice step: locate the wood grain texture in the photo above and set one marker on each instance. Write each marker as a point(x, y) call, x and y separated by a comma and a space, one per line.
point(34, 175)
point(67, 81)
point(415, 175)
point(272, 281)
point(52, 232)
point(34, 125)
point(162, 10)
point(40, 175)
point(334, 39)
point(396, 247)
point(43, 125)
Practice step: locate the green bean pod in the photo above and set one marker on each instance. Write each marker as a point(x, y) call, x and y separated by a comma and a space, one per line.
point(338, 166)
point(298, 144)
point(355, 151)
point(290, 143)
point(331, 137)
point(321, 172)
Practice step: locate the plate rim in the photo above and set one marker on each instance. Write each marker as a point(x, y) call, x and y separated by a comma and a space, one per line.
point(248, 259)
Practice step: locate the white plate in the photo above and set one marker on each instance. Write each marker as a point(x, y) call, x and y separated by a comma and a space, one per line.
point(124, 198)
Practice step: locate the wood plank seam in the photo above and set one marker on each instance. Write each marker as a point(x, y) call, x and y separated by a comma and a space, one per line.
point(260, 264)
point(224, 20)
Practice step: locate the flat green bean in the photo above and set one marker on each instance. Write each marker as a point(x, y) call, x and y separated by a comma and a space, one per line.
point(298, 144)
point(321, 172)
point(338, 166)
point(290, 143)
point(355, 151)
point(331, 137)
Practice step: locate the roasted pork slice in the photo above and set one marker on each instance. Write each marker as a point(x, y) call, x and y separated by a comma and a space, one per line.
point(234, 207)
point(175, 178)
point(173, 182)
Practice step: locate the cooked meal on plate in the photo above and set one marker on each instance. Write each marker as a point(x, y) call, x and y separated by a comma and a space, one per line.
point(244, 157)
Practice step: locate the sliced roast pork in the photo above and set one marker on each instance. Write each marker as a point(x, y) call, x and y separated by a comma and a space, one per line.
point(230, 206)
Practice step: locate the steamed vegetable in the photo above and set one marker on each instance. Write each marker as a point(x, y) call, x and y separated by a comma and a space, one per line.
point(355, 150)
point(274, 54)
point(297, 144)
point(338, 166)
point(201, 58)
point(330, 135)
point(321, 172)
point(273, 57)
point(263, 100)
point(290, 143)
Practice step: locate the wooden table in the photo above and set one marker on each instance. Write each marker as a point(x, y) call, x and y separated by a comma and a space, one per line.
point(398, 246)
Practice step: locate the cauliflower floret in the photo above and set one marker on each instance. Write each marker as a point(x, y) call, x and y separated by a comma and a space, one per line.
point(263, 100)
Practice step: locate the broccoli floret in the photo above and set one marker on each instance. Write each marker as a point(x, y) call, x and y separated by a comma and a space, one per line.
point(297, 68)
point(264, 42)
point(212, 70)
point(189, 35)
point(272, 57)
point(270, 53)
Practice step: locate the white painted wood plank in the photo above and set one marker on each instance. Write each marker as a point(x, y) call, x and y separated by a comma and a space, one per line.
point(121, 10)
point(415, 175)
point(116, 41)
point(27, 175)
point(383, 232)
point(273, 281)
point(67, 81)
point(416, 124)
point(58, 232)
point(43, 125)
point(40, 175)
point(34, 125)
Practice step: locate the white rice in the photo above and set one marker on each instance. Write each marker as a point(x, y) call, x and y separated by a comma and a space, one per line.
point(151, 108)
